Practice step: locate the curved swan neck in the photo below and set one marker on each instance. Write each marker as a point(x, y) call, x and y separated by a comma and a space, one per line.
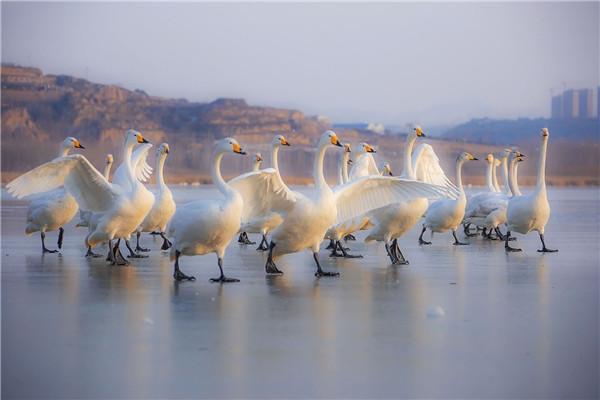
point(256, 166)
point(507, 188)
point(127, 152)
point(541, 175)
point(275, 157)
point(512, 177)
point(459, 164)
point(318, 167)
point(517, 191)
point(408, 169)
point(64, 151)
point(343, 168)
point(107, 168)
point(489, 177)
point(215, 173)
point(495, 179)
point(160, 177)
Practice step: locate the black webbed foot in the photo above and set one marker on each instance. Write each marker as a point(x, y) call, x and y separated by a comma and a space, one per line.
point(180, 276)
point(224, 279)
point(90, 253)
point(142, 249)
point(547, 250)
point(321, 273)
point(421, 241)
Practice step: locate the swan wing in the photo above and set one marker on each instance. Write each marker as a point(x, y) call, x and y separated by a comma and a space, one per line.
point(262, 192)
point(79, 177)
point(371, 192)
point(364, 165)
point(426, 165)
point(139, 165)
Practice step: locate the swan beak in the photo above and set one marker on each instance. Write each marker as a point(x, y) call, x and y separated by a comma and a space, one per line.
point(350, 162)
point(390, 173)
point(371, 150)
point(285, 143)
point(79, 146)
point(166, 151)
point(475, 159)
point(335, 141)
point(141, 139)
point(238, 149)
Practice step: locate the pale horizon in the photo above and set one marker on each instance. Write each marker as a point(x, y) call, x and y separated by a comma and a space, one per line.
point(395, 63)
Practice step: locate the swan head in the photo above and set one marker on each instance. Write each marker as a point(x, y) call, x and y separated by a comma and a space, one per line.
point(367, 148)
point(545, 132)
point(386, 169)
point(497, 162)
point(229, 145)
point(162, 150)
point(280, 140)
point(329, 138)
point(71, 142)
point(490, 158)
point(465, 156)
point(134, 137)
point(109, 159)
point(258, 157)
point(418, 131)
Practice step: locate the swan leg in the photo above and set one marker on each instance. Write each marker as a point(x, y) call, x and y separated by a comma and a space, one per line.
point(331, 245)
point(320, 271)
point(166, 242)
point(344, 253)
point(223, 278)
point(137, 244)
point(61, 232)
point(349, 237)
point(264, 245)
point(119, 259)
point(133, 254)
point(456, 241)
point(544, 248)
point(177, 274)
point(110, 257)
point(466, 228)
point(398, 253)
point(44, 248)
point(334, 251)
point(243, 239)
point(270, 267)
point(393, 258)
point(506, 245)
point(421, 240)
point(90, 253)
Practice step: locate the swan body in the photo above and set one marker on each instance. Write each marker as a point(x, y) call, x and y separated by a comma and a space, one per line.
point(364, 163)
point(123, 206)
point(531, 212)
point(447, 214)
point(51, 210)
point(203, 227)
point(86, 215)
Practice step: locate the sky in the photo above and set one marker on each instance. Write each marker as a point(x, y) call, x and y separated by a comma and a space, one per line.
point(395, 63)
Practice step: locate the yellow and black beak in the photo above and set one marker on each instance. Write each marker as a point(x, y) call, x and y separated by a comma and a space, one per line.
point(390, 173)
point(335, 141)
point(370, 149)
point(78, 145)
point(141, 139)
point(285, 142)
point(237, 149)
point(475, 159)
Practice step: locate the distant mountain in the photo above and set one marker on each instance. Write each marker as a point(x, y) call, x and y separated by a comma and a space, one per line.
point(507, 132)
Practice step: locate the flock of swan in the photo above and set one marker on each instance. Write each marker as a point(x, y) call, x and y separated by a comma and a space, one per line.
point(259, 202)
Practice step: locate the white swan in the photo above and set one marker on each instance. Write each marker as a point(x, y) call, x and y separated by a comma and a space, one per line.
point(343, 162)
point(447, 214)
point(257, 162)
point(531, 212)
point(306, 219)
point(513, 173)
point(163, 207)
point(53, 209)
point(203, 227)
point(393, 221)
point(364, 163)
point(122, 207)
point(265, 220)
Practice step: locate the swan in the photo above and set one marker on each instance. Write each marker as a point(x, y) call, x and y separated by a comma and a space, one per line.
point(267, 220)
point(393, 221)
point(364, 163)
point(306, 219)
point(506, 186)
point(386, 169)
point(203, 227)
point(53, 209)
point(513, 174)
point(343, 162)
point(448, 213)
point(121, 206)
point(164, 206)
point(531, 212)
point(243, 238)
point(257, 161)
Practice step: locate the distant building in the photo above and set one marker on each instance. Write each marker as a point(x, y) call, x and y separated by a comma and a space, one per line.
point(576, 103)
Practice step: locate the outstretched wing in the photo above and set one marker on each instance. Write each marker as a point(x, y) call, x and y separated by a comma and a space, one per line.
point(263, 191)
point(426, 165)
point(79, 177)
point(139, 165)
point(368, 193)
point(364, 165)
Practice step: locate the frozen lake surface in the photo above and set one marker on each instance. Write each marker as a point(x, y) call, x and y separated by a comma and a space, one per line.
point(468, 321)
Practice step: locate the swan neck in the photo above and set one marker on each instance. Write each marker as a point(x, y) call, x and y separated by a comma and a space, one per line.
point(459, 164)
point(160, 177)
point(489, 177)
point(318, 167)
point(127, 152)
point(107, 168)
point(541, 173)
point(256, 166)
point(345, 167)
point(517, 191)
point(64, 151)
point(495, 179)
point(275, 157)
point(340, 169)
point(507, 188)
point(217, 178)
point(408, 169)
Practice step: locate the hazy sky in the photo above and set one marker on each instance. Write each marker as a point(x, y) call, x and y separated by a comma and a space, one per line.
point(393, 63)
